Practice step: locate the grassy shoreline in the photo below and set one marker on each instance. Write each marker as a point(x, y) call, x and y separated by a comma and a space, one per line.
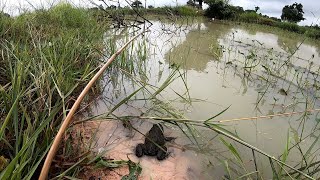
point(254, 18)
point(47, 57)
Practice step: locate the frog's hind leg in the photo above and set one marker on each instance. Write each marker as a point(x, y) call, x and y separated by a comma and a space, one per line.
point(139, 150)
point(162, 153)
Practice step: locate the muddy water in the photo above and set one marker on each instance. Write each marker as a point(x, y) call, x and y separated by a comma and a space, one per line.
point(255, 70)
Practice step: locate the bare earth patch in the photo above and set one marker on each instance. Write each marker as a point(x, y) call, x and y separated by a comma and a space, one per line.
point(118, 143)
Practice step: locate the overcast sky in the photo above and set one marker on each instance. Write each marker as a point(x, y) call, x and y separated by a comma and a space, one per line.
point(268, 7)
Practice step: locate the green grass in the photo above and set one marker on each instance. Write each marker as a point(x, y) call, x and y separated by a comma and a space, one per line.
point(47, 56)
point(251, 17)
point(255, 18)
point(313, 33)
point(291, 27)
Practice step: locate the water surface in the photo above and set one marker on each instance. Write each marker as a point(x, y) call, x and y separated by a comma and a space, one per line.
point(255, 70)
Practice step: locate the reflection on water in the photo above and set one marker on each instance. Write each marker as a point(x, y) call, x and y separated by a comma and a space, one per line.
point(253, 71)
point(200, 47)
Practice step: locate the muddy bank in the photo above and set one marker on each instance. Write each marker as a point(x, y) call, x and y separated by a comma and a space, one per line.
point(117, 142)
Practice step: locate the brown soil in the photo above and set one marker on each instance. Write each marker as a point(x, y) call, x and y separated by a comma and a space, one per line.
point(102, 173)
point(118, 143)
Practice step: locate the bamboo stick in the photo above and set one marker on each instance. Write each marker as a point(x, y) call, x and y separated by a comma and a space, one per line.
point(67, 121)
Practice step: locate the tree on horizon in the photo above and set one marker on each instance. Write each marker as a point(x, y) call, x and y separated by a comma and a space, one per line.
point(137, 4)
point(293, 13)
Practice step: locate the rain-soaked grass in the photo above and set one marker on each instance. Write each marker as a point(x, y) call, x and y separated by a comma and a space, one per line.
point(47, 57)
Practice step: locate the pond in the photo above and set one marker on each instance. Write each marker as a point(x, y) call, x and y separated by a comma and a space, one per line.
point(202, 68)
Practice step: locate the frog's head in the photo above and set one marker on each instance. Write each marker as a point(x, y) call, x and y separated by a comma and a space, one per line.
point(158, 125)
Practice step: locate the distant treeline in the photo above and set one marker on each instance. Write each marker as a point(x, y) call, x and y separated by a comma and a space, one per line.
point(219, 9)
point(224, 11)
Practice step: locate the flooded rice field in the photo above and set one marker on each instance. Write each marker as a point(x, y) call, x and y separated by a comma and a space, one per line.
point(262, 84)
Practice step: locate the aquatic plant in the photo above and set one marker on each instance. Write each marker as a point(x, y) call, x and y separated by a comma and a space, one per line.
point(254, 63)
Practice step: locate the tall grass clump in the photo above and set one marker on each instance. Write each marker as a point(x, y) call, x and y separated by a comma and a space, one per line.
point(187, 11)
point(174, 10)
point(313, 33)
point(251, 17)
point(46, 58)
point(291, 27)
point(4, 22)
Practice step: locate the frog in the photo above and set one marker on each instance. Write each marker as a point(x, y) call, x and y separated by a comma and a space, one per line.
point(154, 144)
